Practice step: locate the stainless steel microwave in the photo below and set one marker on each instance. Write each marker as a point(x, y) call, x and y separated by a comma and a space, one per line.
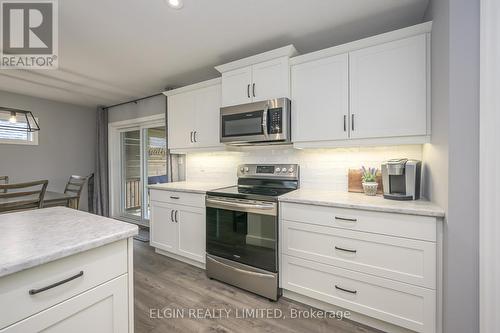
point(266, 122)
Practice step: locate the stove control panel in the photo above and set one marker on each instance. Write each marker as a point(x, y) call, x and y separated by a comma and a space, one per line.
point(279, 171)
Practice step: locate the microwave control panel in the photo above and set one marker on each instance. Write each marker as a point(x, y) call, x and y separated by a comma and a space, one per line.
point(275, 120)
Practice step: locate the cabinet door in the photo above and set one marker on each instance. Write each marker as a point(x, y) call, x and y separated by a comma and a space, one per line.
point(102, 309)
point(320, 99)
point(163, 227)
point(388, 89)
point(208, 102)
point(191, 224)
point(181, 115)
point(270, 79)
point(236, 86)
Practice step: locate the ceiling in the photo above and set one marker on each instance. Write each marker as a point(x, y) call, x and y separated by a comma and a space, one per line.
point(112, 51)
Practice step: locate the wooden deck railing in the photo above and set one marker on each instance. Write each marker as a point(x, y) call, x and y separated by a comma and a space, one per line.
point(133, 193)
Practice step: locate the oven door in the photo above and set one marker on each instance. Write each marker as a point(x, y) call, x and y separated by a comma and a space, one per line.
point(244, 231)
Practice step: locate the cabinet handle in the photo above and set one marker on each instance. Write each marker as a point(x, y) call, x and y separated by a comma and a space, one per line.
point(253, 89)
point(36, 291)
point(345, 219)
point(248, 90)
point(194, 136)
point(172, 215)
point(345, 250)
point(345, 123)
point(191, 137)
point(346, 290)
point(176, 198)
point(352, 122)
point(176, 214)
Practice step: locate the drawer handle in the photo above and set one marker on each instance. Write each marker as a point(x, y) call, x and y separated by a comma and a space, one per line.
point(346, 290)
point(345, 250)
point(36, 291)
point(346, 219)
point(172, 197)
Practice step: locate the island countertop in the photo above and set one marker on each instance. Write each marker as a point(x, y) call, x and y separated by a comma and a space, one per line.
point(34, 237)
point(362, 201)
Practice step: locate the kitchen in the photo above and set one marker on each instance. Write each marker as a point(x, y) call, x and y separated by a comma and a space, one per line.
point(306, 186)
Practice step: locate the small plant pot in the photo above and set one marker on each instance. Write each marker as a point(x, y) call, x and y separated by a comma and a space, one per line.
point(370, 188)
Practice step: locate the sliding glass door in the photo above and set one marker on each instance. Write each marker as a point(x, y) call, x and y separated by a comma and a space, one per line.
point(155, 162)
point(143, 161)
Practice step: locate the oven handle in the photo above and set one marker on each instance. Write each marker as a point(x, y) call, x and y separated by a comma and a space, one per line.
point(239, 270)
point(240, 205)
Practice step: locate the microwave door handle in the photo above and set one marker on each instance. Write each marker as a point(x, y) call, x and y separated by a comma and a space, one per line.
point(264, 120)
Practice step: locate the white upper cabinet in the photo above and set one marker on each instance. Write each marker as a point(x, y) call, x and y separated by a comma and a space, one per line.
point(388, 89)
point(193, 116)
point(236, 86)
point(373, 91)
point(257, 78)
point(181, 115)
point(270, 79)
point(320, 99)
point(207, 123)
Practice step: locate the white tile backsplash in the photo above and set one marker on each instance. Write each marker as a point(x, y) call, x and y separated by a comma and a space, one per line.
point(319, 168)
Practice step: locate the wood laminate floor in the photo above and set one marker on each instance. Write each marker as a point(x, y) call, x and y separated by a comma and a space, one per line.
point(165, 286)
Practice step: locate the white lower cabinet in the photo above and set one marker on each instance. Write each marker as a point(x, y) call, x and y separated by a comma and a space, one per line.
point(178, 224)
point(355, 260)
point(103, 309)
point(91, 291)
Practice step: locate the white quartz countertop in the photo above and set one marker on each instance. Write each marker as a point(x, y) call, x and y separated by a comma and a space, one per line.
point(35, 237)
point(188, 186)
point(362, 201)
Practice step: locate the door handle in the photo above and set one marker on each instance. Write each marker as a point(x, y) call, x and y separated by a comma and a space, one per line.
point(172, 215)
point(248, 90)
point(352, 122)
point(253, 89)
point(53, 285)
point(175, 215)
point(345, 123)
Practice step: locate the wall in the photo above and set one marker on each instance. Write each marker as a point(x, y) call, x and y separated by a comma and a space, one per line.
point(144, 108)
point(66, 144)
point(319, 168)
point(453, 154)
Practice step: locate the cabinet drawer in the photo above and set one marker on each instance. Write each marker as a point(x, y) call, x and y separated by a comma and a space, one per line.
point(407, 260)
point(103, 309)
point(408, 226)
point(98, 265)
point(401, 304)
point(178, 198)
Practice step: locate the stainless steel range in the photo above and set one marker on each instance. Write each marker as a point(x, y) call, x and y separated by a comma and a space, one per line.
point(242, 227)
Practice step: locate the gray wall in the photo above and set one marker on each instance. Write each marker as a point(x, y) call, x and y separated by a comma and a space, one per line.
point(452, 158)
point(66, 143)
point(147, 107)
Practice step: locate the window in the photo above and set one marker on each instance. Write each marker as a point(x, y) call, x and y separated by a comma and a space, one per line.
point(20, 137)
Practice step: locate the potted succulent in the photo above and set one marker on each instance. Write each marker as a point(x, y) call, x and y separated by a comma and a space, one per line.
point(369, 180)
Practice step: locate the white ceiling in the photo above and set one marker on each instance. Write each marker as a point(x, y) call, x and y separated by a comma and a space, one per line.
point(112, 51)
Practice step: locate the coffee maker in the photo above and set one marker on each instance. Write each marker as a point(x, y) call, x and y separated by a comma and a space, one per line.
point(401, 179)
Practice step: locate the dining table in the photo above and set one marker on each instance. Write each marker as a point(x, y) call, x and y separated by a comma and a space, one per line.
point(50, 199)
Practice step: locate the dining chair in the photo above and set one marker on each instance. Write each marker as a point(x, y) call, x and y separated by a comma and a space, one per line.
point(75, 187)
point(5, 180)
point(22, 196)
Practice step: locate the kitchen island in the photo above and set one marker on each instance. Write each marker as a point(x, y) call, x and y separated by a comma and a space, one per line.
point(65, 270)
